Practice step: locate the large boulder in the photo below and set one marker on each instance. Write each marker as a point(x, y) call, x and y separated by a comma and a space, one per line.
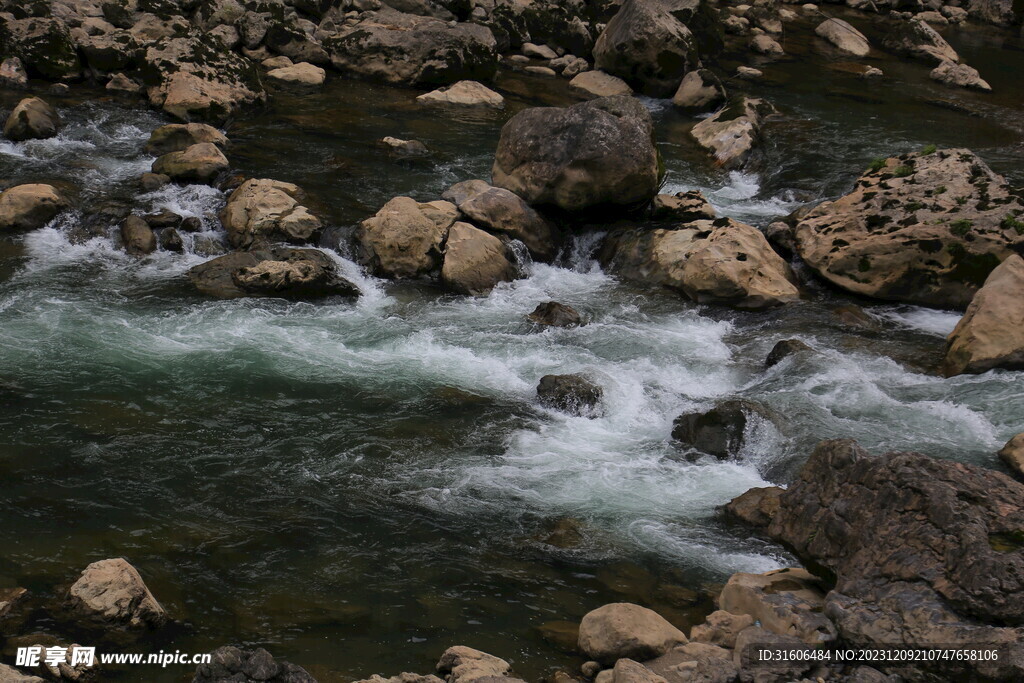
point(924, 551)
point(495, 209)
point(31, 119)
point(263, 209)
point(721, 431)
point(474, 261)
point(731, 134)
point(720, 262)
point(177, 137)
point(621, 629)
point(271, 271)
point(915, 38)
point(43, 44)
point(193, 78)
point(596, 154)
point(117, 50)
point(31, 206)
point(648, 44)
point(573, 394)
point(199, 163)
point(998, 12)
point(844, 36)
point(138, 237)
point(922, 228)
point(404, 239)
point(991, 333)
point(112, 592)
point(230, 663)
point(404, 48)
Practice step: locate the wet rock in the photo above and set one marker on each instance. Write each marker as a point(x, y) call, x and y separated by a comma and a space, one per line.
point(119, 83)
point(271, 271)
point(193, 78)
point(684, 207)
point(151, 182)
point(264, 209)
point(43, 44)
point(622, 629)
point(8, 674)
point(403, 48)
point(461, 664)
point(464, 93)
point(30, 206)
point(695, 662)
point(574, 394)
point(13, 74)
point(599, 84)
point(649, 46)
point(784, 601)
point(31, 119)
point(538, 51)
point(721, 431)
point(497, 210)
point(139, 239)
point(721, 628)
point(164, 218)
point(540, 71)
point(170, 240)
point(243, 666)
point(730, 135)
point(763, 44)
point(915, 38)
point(474, 261)
point(200, 163)
point(715, 262)
point(748, 73)
point(107, 52)
point(177, 137)
point(593, 154)
point(590, 669)
point(960, 76)
point(558, 23)
point(404, 238)
point(925, 551)
point(9, 597)
point(1012, 454)
point(844, 36)
point(564, 532)
point(699, 91)
point(922, 228)
point(755, 507)
point(554, 314)
point(991, 333)
point(405, 148)
point(112, 592)
point(298, 76)
point(784, 349)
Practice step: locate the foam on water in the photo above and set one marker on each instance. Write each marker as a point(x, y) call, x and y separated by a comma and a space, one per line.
point(739, 197)
point(927, 320)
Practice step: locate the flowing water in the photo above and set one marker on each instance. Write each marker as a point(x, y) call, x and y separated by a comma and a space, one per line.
point(357, 486)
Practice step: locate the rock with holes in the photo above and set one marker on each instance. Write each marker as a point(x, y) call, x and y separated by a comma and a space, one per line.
point(261, 209)
point(684, 207)
point(274, 272)
point(923, 228)
point(112, 592)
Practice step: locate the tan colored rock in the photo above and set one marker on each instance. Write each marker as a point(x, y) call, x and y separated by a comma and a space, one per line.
point(960, 76)
point(404, 238)
point(8, 674)
point(1013, 454)
point(119, 83)
point(628, 671)
point(461, 664)
point(700, 90)
point(9, 597)
point(682, 206)
point(787, 602)
point(474, 261)
point(139, 239)
point(31, 206)
point(721, 628)
point(756, 507)
point(278, 62)
point(844, 36)
point(763, 44)
point(13, 74)
point(464, 93)
point(31, 119)
point(177, 137)
point(600, 84)
point(301, 75)
point(622, 629)
point(721, 262)
point(113, 592)
point(267, 209)
point(497, 210)
point(200, 163)
point(991, 333)
point(918, 228)
point(539, 51)
point(271, 272)
point(404, 148)
point(730, 135)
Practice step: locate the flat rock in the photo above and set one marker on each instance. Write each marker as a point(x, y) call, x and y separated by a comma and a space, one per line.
point(465, 94)
point(600, 84)
point(302, 75)
point(272, 272)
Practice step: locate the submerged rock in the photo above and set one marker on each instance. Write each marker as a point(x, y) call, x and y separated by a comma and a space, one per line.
point(31, 206)
point(730, 135)
point(622, 629)
point(244, 666)
point(112, 592)
point(922, 228)
point(404, 239)
point(272, 271)
point(991, 333)
point(554, 314)
point(177, 137)
point(404, 148)
point(717, 262)
point(569, 393)
point(784, 349)
point(31, 119)
point(474, 261)
point(263, 209)
point(593, 154)
point(464, 93)
point(200, 163)
point(721, 431)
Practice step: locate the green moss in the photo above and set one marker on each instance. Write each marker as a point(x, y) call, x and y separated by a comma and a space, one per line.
point(876, 165)
point(1011, 222)
point(961, 227)
point(902, 171)
point(914, 206)
point(1006, 542)
point(930, 149)
point(941, 189)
